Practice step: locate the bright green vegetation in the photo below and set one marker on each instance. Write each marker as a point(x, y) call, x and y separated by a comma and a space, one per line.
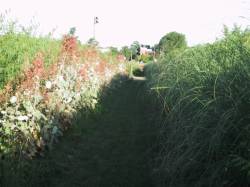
point(170, 42)
point(134, 52)
point(19, 47)
point(132, 67)
point(111, 146)
point(131, 52)
point(186, 125)
point(203, 94)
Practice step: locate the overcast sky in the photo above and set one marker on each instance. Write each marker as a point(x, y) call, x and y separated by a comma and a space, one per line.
point(123, 21)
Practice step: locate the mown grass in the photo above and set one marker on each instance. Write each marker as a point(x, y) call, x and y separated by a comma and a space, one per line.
point(204, 97)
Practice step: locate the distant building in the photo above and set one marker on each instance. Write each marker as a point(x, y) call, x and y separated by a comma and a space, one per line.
point(146, 50)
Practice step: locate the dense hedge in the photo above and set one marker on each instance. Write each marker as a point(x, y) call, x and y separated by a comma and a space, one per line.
point(17, 50)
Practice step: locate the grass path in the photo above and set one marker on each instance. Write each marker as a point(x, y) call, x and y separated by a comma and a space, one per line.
point(108, 148)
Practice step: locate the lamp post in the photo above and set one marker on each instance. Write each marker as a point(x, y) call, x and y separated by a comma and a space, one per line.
point(95, 22)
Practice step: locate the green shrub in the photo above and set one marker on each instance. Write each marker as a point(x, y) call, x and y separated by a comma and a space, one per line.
point(132, 67)
point(146, 58)
point(171, 41)
point(114, 51)
point(17, 47)
point(204, 97)
point(126, 51)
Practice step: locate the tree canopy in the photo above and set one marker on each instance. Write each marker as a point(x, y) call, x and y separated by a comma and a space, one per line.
point(126, 52)
point(171, 41)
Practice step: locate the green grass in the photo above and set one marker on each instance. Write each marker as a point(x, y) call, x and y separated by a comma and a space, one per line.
point(203, 94)
point(111, 146)
point(199, 106)
point(132, 68)
point(19, 46)
point(16, 49)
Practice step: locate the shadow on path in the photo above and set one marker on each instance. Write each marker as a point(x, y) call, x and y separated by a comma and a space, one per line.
point(110, 147)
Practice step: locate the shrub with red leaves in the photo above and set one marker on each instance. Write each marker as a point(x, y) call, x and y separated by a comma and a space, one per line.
point(90, 54)
point(100, 68)
point(52, 96)
point(69, 45)
point(83, 72)
point(36, 70)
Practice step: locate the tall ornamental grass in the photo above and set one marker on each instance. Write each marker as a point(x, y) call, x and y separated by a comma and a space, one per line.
point(204, 97)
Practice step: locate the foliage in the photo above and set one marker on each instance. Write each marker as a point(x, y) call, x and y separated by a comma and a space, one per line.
point(146, 58)
point(131, 67)
point(72, 31)
point(42, 106)
point(123, 119)
point(18, 48)
point(133, 52)
point(92, 42)
point(114, 51)
point(125, 50)
point(135, 49)
point(171, 41)
point(203, 99)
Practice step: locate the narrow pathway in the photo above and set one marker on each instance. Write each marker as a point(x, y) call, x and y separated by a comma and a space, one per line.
point(139, 78)
point(109, 148)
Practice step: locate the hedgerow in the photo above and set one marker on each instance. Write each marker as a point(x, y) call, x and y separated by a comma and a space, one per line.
point(19, 46)
point(42, 104)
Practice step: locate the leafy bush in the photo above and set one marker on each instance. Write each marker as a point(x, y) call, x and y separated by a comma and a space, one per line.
point(114, 51)
point(146, 58)
point(92, 42)
point(126, 51)
point(18, 48)
point(204, 97)
point(135, 49)
point(131, 67)
point(171, 41)
point(45, 101)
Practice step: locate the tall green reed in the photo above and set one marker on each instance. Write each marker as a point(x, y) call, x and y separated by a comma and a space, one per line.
point(204, 97)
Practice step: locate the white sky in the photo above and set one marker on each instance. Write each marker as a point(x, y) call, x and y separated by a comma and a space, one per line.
point(123, 21)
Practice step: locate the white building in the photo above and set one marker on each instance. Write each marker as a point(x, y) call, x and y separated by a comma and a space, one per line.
point(145, 49)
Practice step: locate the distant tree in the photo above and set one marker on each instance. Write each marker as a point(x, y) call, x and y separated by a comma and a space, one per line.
point(72, 31)
point(156, 48)
point(171, 41)
point(92, 42)
point(126, 52)
point(114, 51)
point(135, 49)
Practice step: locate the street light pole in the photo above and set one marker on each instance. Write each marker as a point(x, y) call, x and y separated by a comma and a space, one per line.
point(94, 28)
point(95, 22)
